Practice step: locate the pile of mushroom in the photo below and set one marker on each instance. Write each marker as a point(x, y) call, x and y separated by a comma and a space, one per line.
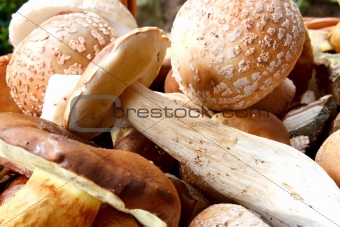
point(226, 58)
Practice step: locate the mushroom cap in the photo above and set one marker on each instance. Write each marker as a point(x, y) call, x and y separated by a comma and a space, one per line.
point(134, 56)
point(230, 54)
point(225, 214)
point(35, 12)
point(64, 44)
point(7, 103)
point(328, 156)
point(255, 121)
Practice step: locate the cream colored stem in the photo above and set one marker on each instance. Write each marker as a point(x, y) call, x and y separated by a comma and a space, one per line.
point(277, 181)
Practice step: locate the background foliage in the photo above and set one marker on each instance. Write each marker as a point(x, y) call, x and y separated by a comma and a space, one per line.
point(7, 7)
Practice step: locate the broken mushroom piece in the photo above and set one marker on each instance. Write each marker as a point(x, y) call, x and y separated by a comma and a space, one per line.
point(64, 44)
point(225, 214)
point(308, 125)
point(122, 179)
point(231, 54)
point(34, 12)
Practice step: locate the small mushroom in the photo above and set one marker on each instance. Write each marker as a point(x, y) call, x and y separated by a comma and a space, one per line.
point(231, 54)
point(7, 103)
point(334, 37)
point(278, 100)
point(255, 121)
point(328, 156)
point(64, 44)
point(170, 84)
point(35, 12)
point(225, 214)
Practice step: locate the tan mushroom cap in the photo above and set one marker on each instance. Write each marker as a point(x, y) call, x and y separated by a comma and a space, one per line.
point(64, 44)
point(225, 214)
point(328, 156)
point(35, 12)
point(230, 54)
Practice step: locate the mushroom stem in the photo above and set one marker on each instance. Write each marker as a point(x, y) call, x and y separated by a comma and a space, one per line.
point(271, 178)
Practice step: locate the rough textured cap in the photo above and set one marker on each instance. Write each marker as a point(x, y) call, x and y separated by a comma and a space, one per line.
point(123, 179)
point(64, 44)
point(230, 54)
point(35, 12)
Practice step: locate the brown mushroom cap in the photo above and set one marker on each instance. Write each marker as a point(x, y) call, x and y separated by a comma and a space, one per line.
point(230, 54)
point(64, 44)
point(170, 84)
point(35, 12)
point(278, 100)
point(137, 182)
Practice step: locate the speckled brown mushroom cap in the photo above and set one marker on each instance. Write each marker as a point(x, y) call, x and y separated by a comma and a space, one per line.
point(64, 44)
point(230, 54)
point(35, 12)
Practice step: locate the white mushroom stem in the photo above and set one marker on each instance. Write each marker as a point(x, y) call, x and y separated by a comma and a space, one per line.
point(58, 91)
point(279, 182)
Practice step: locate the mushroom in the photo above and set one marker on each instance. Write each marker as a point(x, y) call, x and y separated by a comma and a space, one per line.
point(255, 121)
point(225, 214)
point(260, 174)
point(231, 54)
point(64, 44)
point(137, 55)
point(278, 100)
point(34, 12)
point(334, 37)
point(303, 70)
point(170, 84)
point(130, 5)
point(328, 156)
